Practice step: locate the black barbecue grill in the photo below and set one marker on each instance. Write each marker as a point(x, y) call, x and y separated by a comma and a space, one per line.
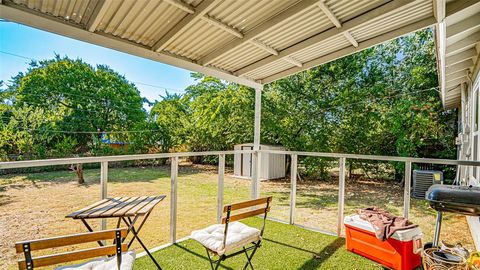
point(454, 199)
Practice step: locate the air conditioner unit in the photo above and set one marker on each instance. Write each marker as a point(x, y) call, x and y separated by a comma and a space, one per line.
point(422, 180)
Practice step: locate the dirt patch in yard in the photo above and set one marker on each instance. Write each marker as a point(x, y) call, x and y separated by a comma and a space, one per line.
point(34, 205)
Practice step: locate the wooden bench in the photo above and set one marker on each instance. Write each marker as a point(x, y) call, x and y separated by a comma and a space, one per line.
point(29, 262)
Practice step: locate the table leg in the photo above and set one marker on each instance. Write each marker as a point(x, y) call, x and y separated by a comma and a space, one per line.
point(130, 223)
point(118, 222)
point(141, 224)
point(91, 230)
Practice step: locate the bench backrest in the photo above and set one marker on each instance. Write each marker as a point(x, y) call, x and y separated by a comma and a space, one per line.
point(30, 262)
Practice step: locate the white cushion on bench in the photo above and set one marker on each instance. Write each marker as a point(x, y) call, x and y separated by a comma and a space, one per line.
point(128, 259)
point(238, 235)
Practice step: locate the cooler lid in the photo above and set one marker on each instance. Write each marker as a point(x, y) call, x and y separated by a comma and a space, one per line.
point(403, 235)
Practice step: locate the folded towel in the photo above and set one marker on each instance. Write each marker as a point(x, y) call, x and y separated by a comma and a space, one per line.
point(384, 223)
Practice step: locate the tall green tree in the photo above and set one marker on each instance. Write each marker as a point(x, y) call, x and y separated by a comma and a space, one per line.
point(82, 97)
point(220, 114)
point(170, 116)
point(381, 101)
point(64, 107)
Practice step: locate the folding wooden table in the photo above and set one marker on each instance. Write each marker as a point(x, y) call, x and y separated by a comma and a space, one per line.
point(126, 209)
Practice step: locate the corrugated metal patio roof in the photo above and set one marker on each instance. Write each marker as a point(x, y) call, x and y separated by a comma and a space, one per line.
point(251, 42)
point(458, 50)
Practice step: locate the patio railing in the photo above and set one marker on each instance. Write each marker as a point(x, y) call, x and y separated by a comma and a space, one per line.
point(255, 185)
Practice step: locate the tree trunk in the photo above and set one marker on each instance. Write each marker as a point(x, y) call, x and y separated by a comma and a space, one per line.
point(79, 172)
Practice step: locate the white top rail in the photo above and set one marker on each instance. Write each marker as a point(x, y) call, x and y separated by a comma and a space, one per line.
point(67, 161)
point(378, 158)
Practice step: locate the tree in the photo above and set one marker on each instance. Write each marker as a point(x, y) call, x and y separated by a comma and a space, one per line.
point(220, 114)
point(83, 97)
point(64, 101)
point(170, 118)
point(380, 101)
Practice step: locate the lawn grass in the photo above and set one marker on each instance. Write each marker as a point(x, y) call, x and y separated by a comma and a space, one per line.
point(284, 247)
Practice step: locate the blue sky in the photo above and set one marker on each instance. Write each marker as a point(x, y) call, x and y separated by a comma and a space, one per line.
point(30, 42)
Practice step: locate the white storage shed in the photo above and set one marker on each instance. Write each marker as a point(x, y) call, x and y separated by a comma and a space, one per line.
point(272, 166)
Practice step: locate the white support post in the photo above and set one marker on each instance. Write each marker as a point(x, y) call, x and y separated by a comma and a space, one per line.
point(221, 176)
point(406, 192)
point(103, 188)
point(255, 189)
point(258, 117)
point(256, 145)
point(293, 185)
point(341, 194)
point(173, 199)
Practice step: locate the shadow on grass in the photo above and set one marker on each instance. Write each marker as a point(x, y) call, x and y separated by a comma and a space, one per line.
point(200, 256)
point(317, 257)
point(310, 200)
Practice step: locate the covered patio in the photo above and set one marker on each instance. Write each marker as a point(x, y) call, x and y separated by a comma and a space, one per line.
point(254, 43)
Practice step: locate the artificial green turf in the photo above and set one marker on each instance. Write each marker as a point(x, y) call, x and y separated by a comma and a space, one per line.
point(284, 247)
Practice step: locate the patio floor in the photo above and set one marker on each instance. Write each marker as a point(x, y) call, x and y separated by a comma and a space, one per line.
point(284, 247)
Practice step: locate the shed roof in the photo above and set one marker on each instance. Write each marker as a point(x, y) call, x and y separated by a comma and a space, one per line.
point(251, 42)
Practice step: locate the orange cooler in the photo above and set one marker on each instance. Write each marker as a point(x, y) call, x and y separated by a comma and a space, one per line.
point(401, 251)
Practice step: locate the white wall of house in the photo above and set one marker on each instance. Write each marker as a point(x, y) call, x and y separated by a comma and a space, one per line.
point(470, 143)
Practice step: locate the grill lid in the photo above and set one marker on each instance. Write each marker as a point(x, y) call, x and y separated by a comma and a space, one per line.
point(457, 199)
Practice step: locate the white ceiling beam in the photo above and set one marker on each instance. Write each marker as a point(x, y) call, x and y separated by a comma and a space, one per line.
point(225, 27)
point(460, 57)
point(464, 26)
point(350, 38)
point(351, 50)
point(293, 61)
point(264, 46)
point(348, 25)
point(258, 30)
point(329, 13)
point(456, 82)
point(459, 66)
point(439, 8)
point(456, 75)
point(459, 5)
point(439, 12)
point(97, 14)
point(189, 20)
point(52, 24)
point(336, 22)
point(181, 5)
point(461, 45)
